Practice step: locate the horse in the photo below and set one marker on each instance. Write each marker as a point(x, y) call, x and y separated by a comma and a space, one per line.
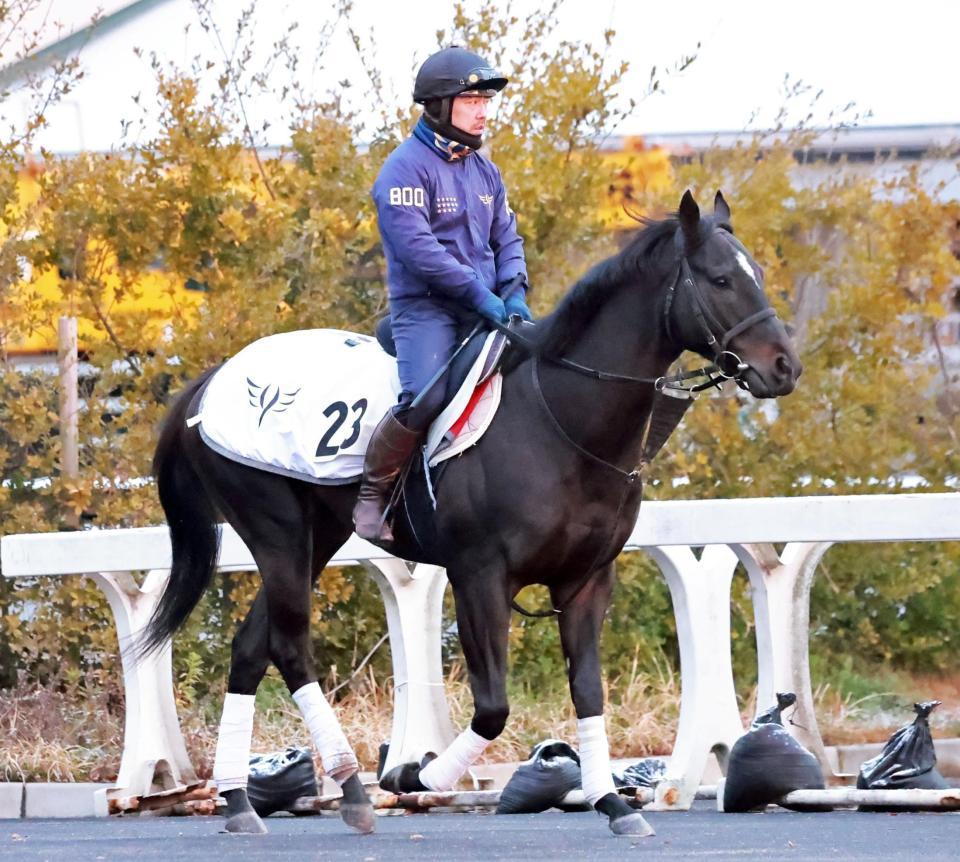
point(548, 496)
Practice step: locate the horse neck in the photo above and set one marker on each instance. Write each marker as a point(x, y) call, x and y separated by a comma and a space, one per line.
point(626, 336)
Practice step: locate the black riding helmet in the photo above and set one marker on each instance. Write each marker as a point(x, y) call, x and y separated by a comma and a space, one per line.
point(447, 74)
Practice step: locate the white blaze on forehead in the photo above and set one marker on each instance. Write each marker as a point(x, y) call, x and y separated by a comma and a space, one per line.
point(744, 262)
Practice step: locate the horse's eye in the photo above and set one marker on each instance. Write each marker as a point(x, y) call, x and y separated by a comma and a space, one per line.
point(721, 281)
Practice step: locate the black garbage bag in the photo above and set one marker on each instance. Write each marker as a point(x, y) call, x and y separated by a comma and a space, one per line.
point(767, 763)
point(908, 760)
point(382, 753)
point(643, 773)
point(541, 782)
point(277, 780)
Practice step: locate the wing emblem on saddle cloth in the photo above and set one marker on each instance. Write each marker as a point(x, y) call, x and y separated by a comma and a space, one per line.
point(269, 398)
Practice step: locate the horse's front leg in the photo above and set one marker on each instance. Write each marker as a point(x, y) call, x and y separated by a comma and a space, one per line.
point(580, 623)
point(483, 622)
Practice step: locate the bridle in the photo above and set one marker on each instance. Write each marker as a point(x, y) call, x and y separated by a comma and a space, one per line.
point(726, 365)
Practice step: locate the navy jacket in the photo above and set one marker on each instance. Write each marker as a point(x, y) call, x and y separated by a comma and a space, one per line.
point(446, 227)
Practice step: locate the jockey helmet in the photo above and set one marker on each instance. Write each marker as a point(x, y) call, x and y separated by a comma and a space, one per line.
point(444, 76)
point(453, 71)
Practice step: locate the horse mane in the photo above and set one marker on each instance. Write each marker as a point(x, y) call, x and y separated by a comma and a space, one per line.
point(639, 258)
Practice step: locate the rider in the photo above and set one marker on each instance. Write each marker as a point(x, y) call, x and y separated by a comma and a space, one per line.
point(452, 250)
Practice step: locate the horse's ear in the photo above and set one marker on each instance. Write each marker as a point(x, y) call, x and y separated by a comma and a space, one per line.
point(721, 209)
point(689, 216)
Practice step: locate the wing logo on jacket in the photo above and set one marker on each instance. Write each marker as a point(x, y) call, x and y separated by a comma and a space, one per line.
point(486, 200)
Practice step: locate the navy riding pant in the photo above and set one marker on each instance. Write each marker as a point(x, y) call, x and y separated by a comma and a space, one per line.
point(426, 331)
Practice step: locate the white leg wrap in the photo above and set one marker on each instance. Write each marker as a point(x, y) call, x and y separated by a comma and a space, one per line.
point(444, 772)
point(595, 770)
point(339, 761)
point(231, 766)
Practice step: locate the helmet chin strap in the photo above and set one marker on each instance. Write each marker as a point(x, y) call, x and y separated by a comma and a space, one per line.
point(439, 121)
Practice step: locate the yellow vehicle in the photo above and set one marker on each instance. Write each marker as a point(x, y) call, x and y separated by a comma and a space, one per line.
point(153, 304)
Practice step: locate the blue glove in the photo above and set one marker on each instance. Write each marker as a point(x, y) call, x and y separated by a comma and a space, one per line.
point(516, 304)
point(492, 308)
point(514, 293)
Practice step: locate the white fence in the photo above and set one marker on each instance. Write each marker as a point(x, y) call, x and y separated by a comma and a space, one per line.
point(729, 531)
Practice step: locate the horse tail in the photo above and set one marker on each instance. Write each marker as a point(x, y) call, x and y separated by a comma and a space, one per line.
point(192, 518)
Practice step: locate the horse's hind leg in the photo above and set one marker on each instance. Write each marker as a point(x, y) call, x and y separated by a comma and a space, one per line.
point(280, 524)
point(580, 625)
point(248, 664)
point(356, 810)
point(483, 622)
point(284, 567)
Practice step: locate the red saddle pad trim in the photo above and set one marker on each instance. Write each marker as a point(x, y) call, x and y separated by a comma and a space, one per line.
point(457, 426)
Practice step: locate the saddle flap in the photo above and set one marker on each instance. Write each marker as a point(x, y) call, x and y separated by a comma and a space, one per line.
point(479, 364)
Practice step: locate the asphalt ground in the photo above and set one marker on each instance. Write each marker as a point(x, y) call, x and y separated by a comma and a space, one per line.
point(699, 834)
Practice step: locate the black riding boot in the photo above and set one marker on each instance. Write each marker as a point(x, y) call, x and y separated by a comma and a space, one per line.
point(390, 447)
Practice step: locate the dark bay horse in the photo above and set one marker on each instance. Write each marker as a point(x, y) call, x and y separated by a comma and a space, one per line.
point(548, 496)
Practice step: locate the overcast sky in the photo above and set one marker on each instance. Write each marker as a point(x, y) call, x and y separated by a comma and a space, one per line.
point(897, 60)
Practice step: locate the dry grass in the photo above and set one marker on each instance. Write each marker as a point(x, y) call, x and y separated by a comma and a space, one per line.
point(48, 736)
point(72, 734)
point(845, 720)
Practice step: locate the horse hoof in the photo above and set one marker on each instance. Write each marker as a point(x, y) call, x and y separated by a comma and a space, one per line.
point(246, 823)
point(633, 825)
point(404, 778)
point(622, 818)
point(358, 816)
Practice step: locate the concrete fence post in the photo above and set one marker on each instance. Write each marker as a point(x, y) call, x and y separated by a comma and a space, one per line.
point(709, 717)
point(780, 586)
point(413, 598)
point(155, 760)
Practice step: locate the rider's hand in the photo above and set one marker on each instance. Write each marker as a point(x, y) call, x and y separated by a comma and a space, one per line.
point(492, 308)
point(514, 293)
point(517, 304)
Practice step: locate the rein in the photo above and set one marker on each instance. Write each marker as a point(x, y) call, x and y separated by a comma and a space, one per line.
point(669, 405)
point(727, 365)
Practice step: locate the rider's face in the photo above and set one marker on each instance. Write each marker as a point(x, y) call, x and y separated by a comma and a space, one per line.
point(469, 113)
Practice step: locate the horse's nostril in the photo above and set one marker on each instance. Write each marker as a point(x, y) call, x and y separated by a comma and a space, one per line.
point(784, 366)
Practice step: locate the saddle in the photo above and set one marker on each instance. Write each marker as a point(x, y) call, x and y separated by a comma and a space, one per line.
point(464, 361)
point(473, 391)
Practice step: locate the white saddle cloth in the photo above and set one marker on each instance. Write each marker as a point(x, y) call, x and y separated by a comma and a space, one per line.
point(305, 404)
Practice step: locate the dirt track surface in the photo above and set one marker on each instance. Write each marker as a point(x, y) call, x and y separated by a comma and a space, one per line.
point(698, 834)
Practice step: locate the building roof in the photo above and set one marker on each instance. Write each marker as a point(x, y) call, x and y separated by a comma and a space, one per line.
point(858, 143)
